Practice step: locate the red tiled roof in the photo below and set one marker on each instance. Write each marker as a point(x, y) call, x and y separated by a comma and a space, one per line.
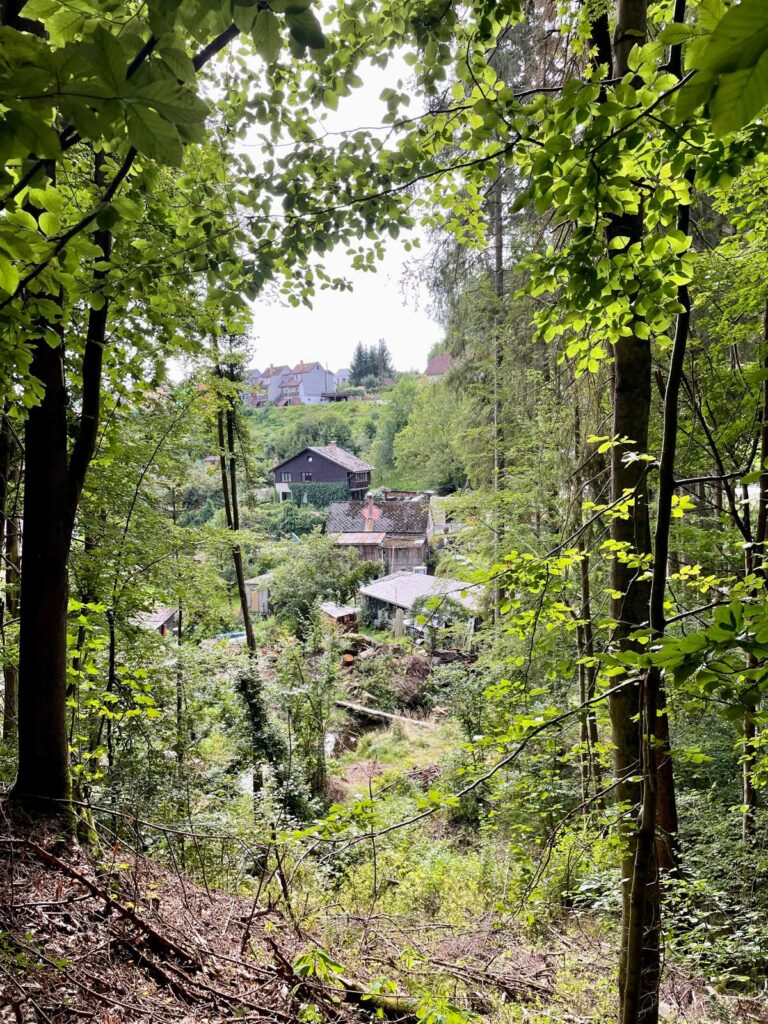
point(305, 367)
point(439, 364)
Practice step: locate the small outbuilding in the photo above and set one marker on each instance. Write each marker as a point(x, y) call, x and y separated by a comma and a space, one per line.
point(343, 616)
point(257, 588)
point(162, 619)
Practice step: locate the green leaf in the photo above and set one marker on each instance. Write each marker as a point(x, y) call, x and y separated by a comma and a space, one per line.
point(9, 276)
point(305, 29)
point(174, 102)
point(244, 16)
point(739, 97)
point(290, 6)
point(739, 39)
point(30, 134)
point(266, 36)
point(107, 218)
point(676, 33)
point(179, 63)
point(153, 135)
point(693, 94)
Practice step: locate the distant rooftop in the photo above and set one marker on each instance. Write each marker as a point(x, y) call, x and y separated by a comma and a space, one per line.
point(403, 589)
point(342, 457)
point(439, 364)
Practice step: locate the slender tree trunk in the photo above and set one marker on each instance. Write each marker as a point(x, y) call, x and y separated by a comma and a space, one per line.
point(181, 729)
point(631, 398)
point(640, 993)
point(12, 608)
point(262, 744)
point(10, 478)
point(756, 563)
point(590, 765)
point(53, 483)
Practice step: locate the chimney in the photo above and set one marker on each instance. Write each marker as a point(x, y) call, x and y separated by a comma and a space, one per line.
point(369, 513)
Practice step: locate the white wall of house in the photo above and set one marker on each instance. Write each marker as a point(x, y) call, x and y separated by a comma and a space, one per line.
point(314, 383)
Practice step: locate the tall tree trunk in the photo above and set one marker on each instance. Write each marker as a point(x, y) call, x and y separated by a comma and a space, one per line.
point(10, 477)
point(631, 398)
point(591, 773)
point(498, 361)
point(52, 488)
point(43, 772)
point(640, 994)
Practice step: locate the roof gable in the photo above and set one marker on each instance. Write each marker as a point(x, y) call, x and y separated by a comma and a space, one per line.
point(439, 364)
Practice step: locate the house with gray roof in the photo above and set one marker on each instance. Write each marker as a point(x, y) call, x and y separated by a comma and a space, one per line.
point(391, 600)
point(322, 464)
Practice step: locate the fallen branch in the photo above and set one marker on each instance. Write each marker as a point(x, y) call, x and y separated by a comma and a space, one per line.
point(157, 938)
point(384, 716)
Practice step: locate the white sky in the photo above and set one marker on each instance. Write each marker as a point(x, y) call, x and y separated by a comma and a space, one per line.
point(378, 306)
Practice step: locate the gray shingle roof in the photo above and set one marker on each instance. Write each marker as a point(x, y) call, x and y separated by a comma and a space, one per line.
point(402, 517)
point(403, 589)
point(333, 453)
point(342, 458)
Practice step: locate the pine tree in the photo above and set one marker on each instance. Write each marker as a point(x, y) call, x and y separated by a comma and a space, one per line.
point(382, 359)
point(359, 366)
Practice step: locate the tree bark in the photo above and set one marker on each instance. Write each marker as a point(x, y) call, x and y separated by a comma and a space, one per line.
point(12, 608)
point(591, 774)
point(756, 562)
point(262, 744)
point(43, 772)
point(10, 478)
point(53, 484)
point(631, 399)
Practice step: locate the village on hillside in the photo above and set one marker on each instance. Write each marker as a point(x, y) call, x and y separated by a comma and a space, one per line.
point(398, 533)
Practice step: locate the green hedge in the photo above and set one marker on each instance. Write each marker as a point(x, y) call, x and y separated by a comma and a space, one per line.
point(319, 495)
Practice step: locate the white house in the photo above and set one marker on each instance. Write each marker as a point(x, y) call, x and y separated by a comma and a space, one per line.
point(306, 384)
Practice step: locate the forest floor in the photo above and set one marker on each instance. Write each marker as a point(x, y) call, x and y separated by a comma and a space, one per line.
point(120, 940)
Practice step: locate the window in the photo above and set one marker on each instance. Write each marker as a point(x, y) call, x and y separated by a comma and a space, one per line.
point(306, 478)
point(285, 477)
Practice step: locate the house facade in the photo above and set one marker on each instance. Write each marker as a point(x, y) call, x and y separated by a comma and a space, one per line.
point(303, 384)
point(265, 387)
point(395, 533)
point(326, 464)
point(306, 384)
